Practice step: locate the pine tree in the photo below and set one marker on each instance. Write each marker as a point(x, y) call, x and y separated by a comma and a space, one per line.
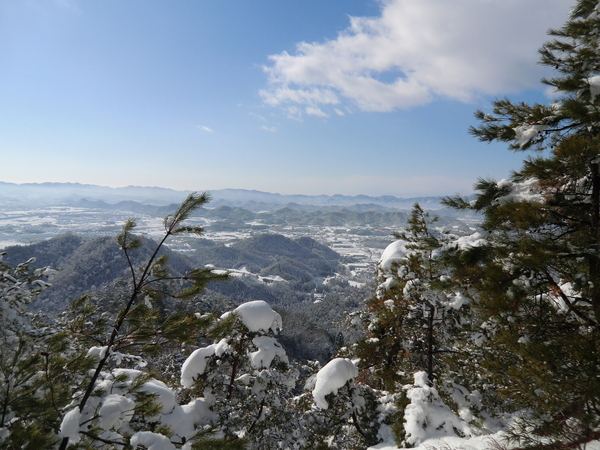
point(417, 323)
point(537, 278)
point(32, 361)
point(244, 377)
point(413, 318)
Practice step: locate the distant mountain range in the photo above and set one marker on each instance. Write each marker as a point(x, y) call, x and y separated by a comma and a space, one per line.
point(69, 194)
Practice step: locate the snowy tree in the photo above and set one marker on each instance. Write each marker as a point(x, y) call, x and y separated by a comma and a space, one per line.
point(34, 361)
point(335, 412)
point(413, 320)
point(244, 377)
point(418, 322)
point(538, 275)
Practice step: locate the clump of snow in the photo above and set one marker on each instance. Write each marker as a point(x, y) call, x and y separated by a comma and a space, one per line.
point(268, 349)
point(527, 132)
point(594, 83)
point(394, 252)
point(195, 364)
point(115, 410)
point(473, 240)
point(184, 418)
point(69, 426)
point(334, 375)
point(164, 395)
point(257, 316)
point(457, 300)
point(151, 441)
point(98, 352)
point(517, 192)
point(427, 416)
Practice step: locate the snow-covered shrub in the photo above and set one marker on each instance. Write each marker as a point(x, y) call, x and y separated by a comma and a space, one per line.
point(244, 377)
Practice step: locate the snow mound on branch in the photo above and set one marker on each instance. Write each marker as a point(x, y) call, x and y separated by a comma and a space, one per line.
point(268, 349)
point(520, 192)
point(476, 239)
point(115, 410)
point(164, 394)
point(184, 418)
point(334, 375)
point(195, 364)
point(527, 132)
point(69, 427)
point(151, 441)
point(257, 316)
point(97, 352)
point(395, 252)
point(594, 86)
point(428, 417)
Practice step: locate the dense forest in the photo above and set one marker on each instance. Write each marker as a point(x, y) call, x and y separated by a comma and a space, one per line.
point(463, 334)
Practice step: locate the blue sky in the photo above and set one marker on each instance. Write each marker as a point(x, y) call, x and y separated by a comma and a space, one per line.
point(289, 96)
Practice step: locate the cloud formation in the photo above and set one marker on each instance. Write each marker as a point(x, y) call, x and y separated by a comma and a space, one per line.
point(416, 52)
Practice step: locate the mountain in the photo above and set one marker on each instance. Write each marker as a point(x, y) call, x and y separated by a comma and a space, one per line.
point(70, 194)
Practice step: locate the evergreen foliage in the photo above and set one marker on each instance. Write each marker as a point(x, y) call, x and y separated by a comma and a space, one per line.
point(414, 321)
point(537, 278)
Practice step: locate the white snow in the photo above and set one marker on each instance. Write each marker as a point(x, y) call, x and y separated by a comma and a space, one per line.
point(427, 416)
point(334, 375)
point(473, 240)
point(394, 252)
point(268, 349)
point(195, 364)
point(523, 191)
point(164, 395)
point(151, 441)
point(69, 427)
point(115, 410)
point(257, 316)
point(527, 132)
point(594, 86)
point(98, 352)
point(184, 418)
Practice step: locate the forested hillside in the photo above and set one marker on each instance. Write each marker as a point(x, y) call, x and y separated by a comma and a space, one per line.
point(282, 271)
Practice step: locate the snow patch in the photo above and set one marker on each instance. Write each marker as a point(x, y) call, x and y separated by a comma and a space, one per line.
point(151, 441)
point(393, 253)
point(257, 316)
point(526, 132)
point(69, 426)
point(427, 416)
point(115, 410)
point(268, 349)
point(334, 375)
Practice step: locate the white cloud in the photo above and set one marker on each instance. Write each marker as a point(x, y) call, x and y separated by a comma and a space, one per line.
point(316, 111)
point(270, 129)
point(202, 127)
point(416, 52)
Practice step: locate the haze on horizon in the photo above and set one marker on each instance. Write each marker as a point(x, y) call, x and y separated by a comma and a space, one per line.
point(341, 97)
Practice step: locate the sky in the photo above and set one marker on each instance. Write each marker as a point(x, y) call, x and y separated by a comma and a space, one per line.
point(310, 97)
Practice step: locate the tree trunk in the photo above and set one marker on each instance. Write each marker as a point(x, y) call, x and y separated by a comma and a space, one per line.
point(594, 259)
point(431, 318)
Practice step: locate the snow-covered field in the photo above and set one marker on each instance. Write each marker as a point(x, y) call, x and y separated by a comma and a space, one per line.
point(27, 226)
